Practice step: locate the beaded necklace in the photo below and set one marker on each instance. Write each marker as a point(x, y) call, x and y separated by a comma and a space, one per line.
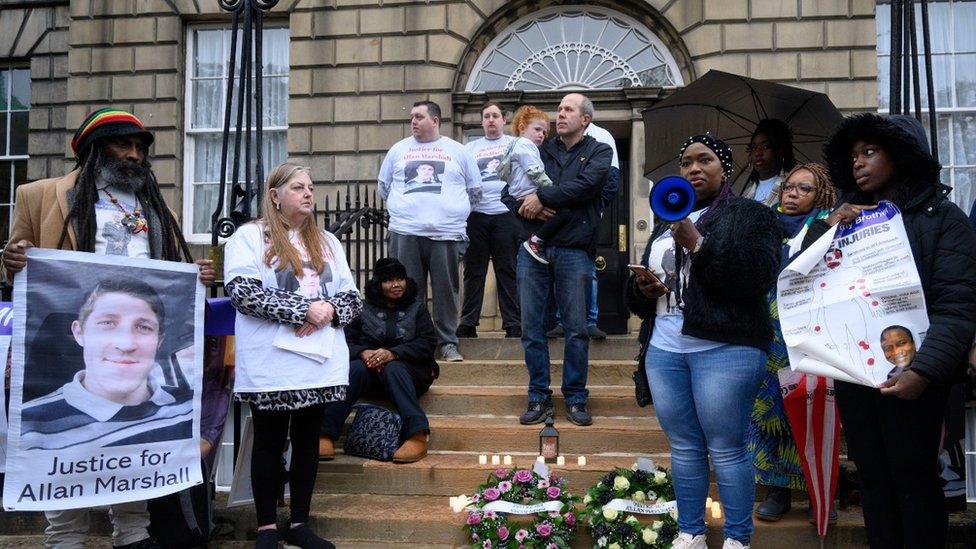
point(134, 221)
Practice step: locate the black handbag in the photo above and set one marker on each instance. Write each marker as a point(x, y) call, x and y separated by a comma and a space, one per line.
point(374, 433)
point(642, 389)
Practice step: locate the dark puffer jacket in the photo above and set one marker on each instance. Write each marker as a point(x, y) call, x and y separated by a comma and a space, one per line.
point(939, 233)
point(406, 330)
point(726, 297)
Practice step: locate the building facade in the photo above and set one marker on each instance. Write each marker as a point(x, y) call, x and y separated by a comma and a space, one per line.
point(340, 77)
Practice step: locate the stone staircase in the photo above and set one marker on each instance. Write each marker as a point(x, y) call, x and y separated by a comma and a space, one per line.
point(473, 409)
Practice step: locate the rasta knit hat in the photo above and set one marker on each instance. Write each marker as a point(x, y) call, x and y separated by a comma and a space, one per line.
point(107, 122)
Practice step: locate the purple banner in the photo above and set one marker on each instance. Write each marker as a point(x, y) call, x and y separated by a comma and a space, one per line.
point(884, 213)
point(219, 318)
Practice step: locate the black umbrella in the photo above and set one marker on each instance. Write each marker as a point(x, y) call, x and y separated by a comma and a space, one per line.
point(730, 106)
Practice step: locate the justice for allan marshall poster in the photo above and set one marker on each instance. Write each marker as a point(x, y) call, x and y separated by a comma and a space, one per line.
point(105, 381)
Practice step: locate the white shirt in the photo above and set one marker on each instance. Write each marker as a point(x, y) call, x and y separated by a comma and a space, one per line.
point(111, 236)
point(525, 159)
point(670, 319)
point(488, 153)
point(603, 136)
point(426, 186)
point(260, 365)
point(765, 187)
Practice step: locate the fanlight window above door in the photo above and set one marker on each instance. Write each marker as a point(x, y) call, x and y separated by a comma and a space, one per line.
point(574, 48)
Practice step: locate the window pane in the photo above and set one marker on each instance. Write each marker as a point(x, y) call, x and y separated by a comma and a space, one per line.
point(209, 48)
point(18, 133)
point(964, 180)
point(5, 183)
point(3, 134)
point(940, 21)
point(204, 202)
point(274, 51)
point(20, 90)
point(206, 157)
point(964, 21)
point(883, 18)
point(20, 172)
point(943, 136)
point(884, 79)
point(4, 89)
point(5, 222)
point(208, 105)
point(275, 101)
point(965, 80)
point(964, 139)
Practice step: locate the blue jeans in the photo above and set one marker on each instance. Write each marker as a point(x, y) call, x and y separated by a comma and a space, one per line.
point(593, 308)
point(704, 401)
point(568, 276)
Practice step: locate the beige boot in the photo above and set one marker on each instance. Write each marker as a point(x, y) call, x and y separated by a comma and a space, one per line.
point(326, 449)
point(413, 449)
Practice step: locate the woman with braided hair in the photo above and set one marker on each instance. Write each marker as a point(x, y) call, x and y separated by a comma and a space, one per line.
point(805, 196)
point(704, 338)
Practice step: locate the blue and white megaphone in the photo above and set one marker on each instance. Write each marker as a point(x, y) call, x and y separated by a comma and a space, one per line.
point(672, 198)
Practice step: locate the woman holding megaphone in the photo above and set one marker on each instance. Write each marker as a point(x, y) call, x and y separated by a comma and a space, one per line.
point(705, 333)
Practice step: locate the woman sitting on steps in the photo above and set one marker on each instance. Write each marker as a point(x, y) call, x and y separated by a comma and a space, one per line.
point(391, 350)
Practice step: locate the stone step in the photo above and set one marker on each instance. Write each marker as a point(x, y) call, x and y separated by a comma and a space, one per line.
point(459, 400)
point(504, 434)
point(426, 519)
point(513, 373)
point(453, 473)
point(494, 346)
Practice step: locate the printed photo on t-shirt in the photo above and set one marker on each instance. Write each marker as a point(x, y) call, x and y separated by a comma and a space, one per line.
point(489, 168)
point(422, 176)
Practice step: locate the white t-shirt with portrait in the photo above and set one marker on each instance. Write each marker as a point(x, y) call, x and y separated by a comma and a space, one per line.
point(425, 186)
point(670, 319)
point(261, 366)
point(111, 236)
point(488, 154)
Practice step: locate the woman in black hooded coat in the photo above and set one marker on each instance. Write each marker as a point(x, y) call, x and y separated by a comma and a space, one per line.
point(391, 351)
point(893, 433)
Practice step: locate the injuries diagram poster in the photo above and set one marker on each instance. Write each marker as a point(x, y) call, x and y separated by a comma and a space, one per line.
point(851, 306)
point(105, 381)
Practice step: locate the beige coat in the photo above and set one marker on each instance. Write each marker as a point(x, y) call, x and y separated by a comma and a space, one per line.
point(40, 211)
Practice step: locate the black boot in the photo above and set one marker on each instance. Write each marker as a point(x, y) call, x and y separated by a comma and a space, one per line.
point(776, 504)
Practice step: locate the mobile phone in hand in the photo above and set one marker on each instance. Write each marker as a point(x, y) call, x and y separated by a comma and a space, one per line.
point(641, 270)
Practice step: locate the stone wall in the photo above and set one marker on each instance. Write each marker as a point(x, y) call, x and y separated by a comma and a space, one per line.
point(36, 34)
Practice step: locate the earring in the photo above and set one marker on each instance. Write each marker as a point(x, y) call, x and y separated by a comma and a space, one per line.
point(278, 206)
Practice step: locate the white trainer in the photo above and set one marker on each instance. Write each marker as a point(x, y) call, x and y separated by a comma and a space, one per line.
point(733, 544)
point(688, 541)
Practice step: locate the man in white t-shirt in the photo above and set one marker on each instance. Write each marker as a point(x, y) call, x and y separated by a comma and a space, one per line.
point(430, 183)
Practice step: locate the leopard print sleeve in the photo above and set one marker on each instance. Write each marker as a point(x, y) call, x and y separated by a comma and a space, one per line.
point(347, 307)
point(251, 298)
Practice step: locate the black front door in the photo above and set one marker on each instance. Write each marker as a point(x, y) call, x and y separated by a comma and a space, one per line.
point(613, 252)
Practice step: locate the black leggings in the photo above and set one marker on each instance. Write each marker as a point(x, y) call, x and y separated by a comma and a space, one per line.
point(267, 478)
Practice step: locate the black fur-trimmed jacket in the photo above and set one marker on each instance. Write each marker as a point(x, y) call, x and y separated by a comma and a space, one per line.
point(406, 330)
point(726, 297)
point(942, 241)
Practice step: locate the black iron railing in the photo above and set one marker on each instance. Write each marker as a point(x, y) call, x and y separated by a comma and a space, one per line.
point(360, 222)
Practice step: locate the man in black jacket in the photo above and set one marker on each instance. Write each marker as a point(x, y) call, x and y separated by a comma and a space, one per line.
point(578, 166)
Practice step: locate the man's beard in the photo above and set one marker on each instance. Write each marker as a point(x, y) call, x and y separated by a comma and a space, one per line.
point(123, 175)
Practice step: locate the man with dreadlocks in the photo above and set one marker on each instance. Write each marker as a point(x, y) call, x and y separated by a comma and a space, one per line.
point(109, 204)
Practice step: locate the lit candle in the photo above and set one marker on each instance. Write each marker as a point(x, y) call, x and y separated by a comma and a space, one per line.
point(716, 510)
point(482, 459)
point(540, 459)
point(708, 502)
point(560, 461)
point(495, 460)
point(507, 460)
point(581, 461)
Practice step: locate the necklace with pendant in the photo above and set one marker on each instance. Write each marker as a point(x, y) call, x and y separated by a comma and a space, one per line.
point(133, 221)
